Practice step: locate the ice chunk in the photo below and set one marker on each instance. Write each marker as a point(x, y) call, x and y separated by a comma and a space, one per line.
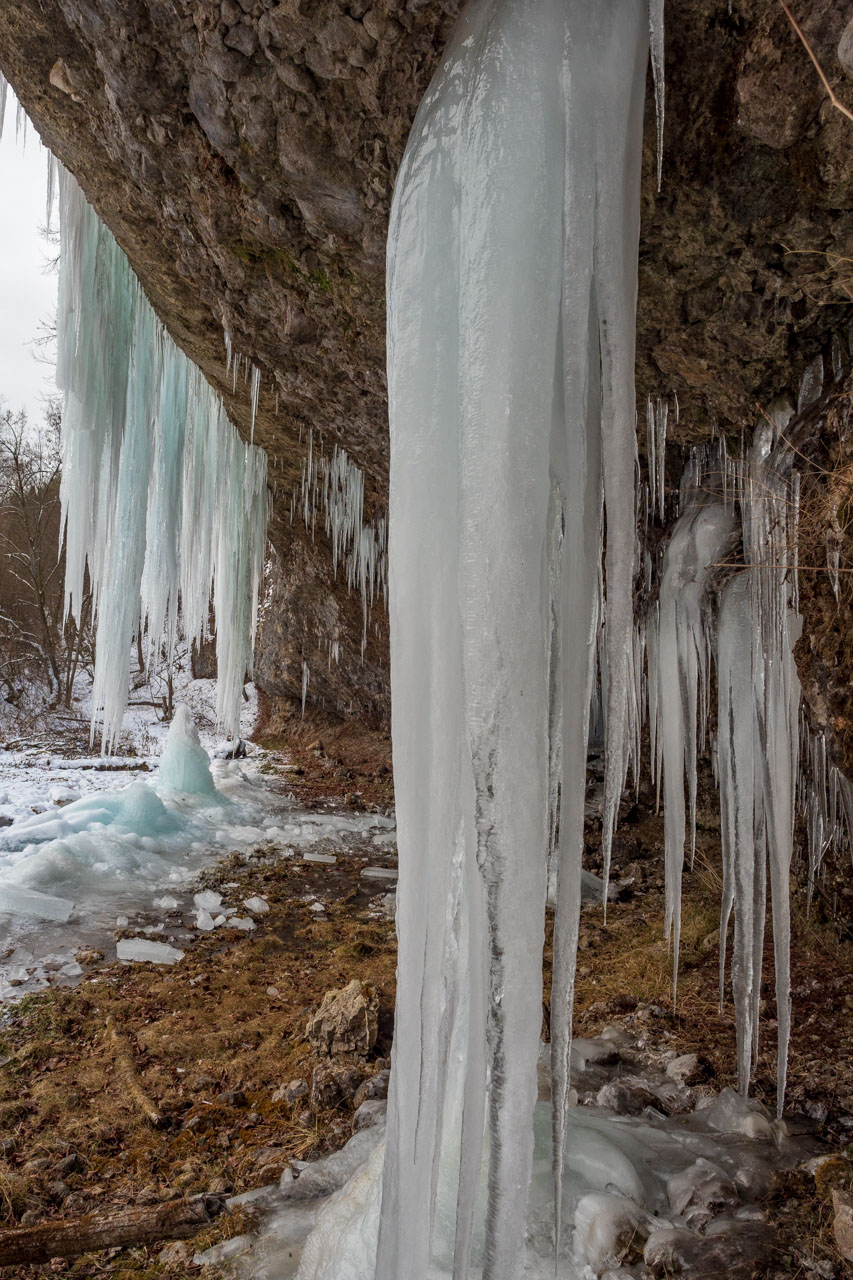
point(731, 1113)
point(143, 949)
point(28, 902)
point(241, 922)
point(379, 873)
point(63, 795)
point(604, 1224)
point(703, 1185)
point(208, 899)
point(310, 856)
point(257, 905)
point(204, 921)
point(184, 764)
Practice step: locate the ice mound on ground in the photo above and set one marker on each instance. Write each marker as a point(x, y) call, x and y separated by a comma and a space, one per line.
point(184, 764)
point(136, 809)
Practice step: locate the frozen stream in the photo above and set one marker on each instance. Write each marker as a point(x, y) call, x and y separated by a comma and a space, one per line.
point(90, 851)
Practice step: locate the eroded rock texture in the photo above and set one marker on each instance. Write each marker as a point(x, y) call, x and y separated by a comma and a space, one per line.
point(243, 152)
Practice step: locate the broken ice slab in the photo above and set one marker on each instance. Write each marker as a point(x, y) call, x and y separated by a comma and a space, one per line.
point(207, 900)
point(28, 902)
point(167, 903)
point(204, 921)
point(142, 949)
point(318, 857)
point(379, 873)
point(241, 922)
point(257, 905)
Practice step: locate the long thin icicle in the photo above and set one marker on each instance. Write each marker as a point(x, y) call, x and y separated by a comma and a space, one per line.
point(161, 500)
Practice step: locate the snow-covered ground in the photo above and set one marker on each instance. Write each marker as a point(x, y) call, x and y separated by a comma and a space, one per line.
point(92, 846)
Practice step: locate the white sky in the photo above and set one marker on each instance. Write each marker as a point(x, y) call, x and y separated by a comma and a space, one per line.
point(27, 293)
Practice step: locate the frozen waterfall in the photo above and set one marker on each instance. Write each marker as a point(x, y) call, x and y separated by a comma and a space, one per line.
point(161, 499)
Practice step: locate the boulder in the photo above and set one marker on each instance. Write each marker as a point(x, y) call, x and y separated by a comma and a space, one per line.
point(347, 1020)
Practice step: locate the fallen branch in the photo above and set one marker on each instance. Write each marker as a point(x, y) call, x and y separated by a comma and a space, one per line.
point(839, 106)
point(127, 1075)
point(121, 1228)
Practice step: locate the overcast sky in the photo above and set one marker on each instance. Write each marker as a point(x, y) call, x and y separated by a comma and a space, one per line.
point(27, 292)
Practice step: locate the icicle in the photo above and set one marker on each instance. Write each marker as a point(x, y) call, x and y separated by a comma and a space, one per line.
point(811, 384)
point(4, 86)
point(656, 34)
point(699, 541)
point(336, 486)
point(306, 676)
point(52, 181)
point(255, 393)
point(21, 122)
point(160, 497)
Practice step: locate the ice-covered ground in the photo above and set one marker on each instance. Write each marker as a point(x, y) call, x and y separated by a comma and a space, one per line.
point(91, 847)
point(658, 1175)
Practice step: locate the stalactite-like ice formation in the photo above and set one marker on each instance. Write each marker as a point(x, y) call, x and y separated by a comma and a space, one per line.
point(334, 486)
point(750, 632)
point(758, 740)
point(161, 499)
point(679, 651)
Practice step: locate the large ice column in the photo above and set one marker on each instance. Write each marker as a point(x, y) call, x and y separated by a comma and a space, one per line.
point(512, 291)
point(161, 499)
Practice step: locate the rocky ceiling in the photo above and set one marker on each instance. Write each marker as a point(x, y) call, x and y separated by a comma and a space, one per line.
point(244, 151)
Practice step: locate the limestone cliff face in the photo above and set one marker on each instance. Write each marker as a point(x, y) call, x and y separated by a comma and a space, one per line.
point(244, 151)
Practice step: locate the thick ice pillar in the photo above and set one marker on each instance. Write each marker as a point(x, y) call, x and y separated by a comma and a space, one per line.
point(512, 295)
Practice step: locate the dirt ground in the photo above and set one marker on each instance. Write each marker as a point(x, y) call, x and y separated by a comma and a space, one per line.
point(211, 1040)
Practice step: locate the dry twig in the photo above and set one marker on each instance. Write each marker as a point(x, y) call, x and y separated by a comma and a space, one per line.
point(128, 1076)
point(839, 106)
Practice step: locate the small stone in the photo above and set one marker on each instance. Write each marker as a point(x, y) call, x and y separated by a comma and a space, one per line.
point(332, 1085)
point(291, 1092)
point(199, 1082)
point(176, 1254)
point(686, 1069)
point(220, 1187)
point(273, 992)
point(58, 1190)
point(374, 1088)
point(233, 1098)
point(842, 1204)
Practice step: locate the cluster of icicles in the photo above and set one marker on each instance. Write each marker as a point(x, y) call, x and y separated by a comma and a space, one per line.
point(161, 499)
point(748, 628)
point(334, 487)
point(727, 597)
